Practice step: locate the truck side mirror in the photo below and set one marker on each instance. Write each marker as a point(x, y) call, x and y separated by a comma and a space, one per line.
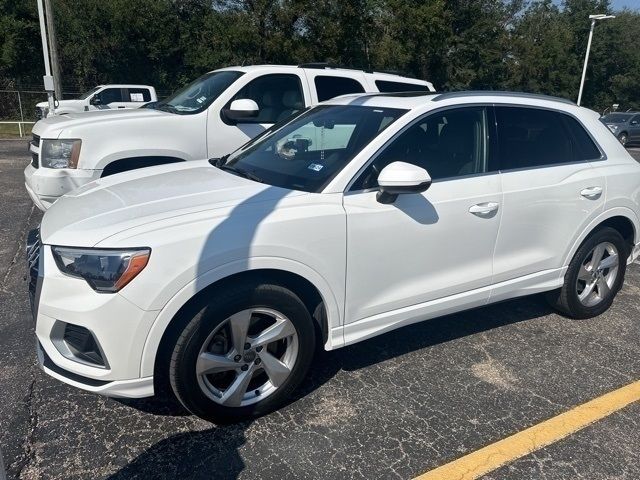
point(241, 109)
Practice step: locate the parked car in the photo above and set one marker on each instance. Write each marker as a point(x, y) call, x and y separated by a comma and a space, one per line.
point(102, 97)
point(213, 116)
point(625, 126)
point(356, 217)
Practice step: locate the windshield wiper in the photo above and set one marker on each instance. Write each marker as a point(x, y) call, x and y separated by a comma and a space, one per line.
point(165, 107)
point(241, 173)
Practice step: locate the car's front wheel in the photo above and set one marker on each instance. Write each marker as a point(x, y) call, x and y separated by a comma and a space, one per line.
point(243, 353)
point(594, 277)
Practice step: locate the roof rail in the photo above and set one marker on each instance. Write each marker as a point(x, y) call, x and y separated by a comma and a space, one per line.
point(319, 65)
point(494, 93)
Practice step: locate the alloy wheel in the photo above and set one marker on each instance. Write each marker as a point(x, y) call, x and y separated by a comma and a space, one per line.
point(247, 357)
point(598, 274)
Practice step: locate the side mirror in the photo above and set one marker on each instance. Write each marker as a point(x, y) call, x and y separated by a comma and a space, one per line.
point(95, 100)
point(398, 178)
point(241, 110)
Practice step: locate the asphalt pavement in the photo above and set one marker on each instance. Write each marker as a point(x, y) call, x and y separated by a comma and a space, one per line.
point(391, 407)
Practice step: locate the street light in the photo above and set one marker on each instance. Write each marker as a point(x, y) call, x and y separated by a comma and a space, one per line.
point(593, 19)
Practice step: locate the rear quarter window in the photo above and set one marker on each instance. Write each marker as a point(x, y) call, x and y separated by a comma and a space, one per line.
point(536, 137)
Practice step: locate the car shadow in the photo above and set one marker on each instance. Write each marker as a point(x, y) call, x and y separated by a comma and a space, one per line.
point(199, 454)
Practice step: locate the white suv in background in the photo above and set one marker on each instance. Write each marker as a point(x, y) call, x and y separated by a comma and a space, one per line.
point(359, 216)
point(211, 117)
point(102, 97)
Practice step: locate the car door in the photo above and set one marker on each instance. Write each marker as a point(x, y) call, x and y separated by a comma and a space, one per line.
point(108, 98)
point(634, 129)
point(278, 96)
point(551, 191)
point(411, 258)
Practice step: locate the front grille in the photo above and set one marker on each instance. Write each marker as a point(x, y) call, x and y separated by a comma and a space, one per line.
point(35, 161)
point(33, 266)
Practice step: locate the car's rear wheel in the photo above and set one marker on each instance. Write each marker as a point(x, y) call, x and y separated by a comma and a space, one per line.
point(622, 138)
point(243, 353)
point(594, 277)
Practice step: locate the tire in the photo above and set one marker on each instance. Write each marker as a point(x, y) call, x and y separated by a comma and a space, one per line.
point(623, 139)
point(207, 372)
point(575, 299)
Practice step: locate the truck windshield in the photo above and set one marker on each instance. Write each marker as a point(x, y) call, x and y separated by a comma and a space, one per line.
point(199, 94)
point(309, 151)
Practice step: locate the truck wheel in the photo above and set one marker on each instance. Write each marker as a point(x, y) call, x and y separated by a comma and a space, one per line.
point(243, 353)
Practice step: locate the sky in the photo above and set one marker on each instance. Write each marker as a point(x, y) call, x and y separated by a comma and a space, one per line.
point(619, 4)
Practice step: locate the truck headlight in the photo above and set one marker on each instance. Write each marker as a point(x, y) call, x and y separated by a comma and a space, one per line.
point(105, 270)
point(60, 153)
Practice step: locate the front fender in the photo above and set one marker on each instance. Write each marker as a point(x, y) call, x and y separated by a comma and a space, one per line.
point(166, 315)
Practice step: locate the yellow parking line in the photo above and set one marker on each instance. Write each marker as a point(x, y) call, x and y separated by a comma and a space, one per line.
point(489, 458)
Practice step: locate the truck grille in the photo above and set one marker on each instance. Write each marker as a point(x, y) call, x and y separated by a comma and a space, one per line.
point(34, 247)
point(35, 161)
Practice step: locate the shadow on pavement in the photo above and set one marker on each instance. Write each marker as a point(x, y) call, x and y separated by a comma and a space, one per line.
point(215, 452)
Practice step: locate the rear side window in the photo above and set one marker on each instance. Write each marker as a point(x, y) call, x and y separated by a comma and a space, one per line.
point(138, 95)
point(330, 87)
point(534, 137)
point(389, 87)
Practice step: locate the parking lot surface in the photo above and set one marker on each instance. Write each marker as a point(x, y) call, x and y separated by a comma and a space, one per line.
point(391, 407)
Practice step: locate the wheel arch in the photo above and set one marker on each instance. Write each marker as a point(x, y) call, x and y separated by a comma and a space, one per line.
point(622, 219)
point(314, 293)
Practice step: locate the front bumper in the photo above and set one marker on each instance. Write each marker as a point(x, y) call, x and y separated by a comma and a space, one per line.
point(46, 185)
point(120, 330)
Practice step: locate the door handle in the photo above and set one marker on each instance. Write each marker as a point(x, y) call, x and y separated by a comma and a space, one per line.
point(591, 193)
point(122, 107)
point(484, 209)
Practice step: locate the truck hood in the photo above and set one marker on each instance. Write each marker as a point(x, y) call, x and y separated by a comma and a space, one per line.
point(111, 205)
point(52, 127)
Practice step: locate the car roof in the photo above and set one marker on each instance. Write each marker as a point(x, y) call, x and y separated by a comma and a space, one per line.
point(391, 76)
point(415, 100)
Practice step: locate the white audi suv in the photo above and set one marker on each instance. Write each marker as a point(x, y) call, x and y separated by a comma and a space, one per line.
point(357, 216)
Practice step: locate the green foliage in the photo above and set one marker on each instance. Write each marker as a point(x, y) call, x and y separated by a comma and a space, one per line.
point(535, 46)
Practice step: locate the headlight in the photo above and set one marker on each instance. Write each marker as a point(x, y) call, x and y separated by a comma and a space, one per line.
point(60, 153)
point(613, 128)
point(105, 270)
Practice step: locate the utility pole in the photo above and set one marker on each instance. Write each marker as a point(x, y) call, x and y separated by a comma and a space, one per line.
point(48, 79)
point(53, 48)
point(593, 19)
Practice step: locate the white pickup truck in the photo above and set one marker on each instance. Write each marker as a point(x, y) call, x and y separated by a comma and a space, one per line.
point(102, 97)
point(211, 117)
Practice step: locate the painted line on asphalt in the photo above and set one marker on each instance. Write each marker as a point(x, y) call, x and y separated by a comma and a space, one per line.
point(534, 438)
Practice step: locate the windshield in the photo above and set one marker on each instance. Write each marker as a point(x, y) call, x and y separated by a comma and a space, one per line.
point(616, 118)
point(309, 151)
point(199, 94)
point(86, 95)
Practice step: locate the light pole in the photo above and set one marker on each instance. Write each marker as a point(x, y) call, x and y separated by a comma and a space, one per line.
point(48, 79)
point(593, 18)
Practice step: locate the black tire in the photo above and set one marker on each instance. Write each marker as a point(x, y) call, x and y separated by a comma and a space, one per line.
point(566, 299)
point(623, 139)
point(213, 312)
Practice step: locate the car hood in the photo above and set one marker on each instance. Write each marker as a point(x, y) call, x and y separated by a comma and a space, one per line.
point(52, 127)
point(108, 206)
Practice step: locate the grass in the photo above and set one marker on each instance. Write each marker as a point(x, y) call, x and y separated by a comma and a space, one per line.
point(12, 131)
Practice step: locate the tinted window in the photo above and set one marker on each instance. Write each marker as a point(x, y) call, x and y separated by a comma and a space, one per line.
point(448, 144)
point(533, 137)
point(308, 152)
point(615, 118)
point(635, 119)
point(385, 86)
point(138, 95)
point(110, 95)
point(330, 87)
point(278, 96)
